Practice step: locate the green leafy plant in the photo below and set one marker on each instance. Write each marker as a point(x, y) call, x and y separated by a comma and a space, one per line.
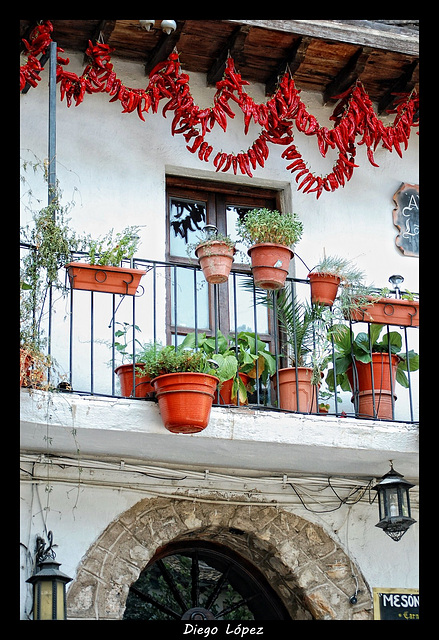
point(169, 359)
point(244, 354)
point(112, 248)
point(144, 354)
point(269, 225)
point(359, 348)
point(49, 242)
point(304, 327)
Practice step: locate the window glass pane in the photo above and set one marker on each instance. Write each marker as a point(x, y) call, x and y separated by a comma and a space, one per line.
point(245, 317)
point(186, 290)
point(232, 216)
point(187, 219)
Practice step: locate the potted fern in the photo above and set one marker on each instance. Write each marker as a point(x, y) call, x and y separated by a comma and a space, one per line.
point(270, 236)
point(328, 274)
point(103, 272)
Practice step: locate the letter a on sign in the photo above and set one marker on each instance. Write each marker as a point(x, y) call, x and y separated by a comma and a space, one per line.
point(406, 218)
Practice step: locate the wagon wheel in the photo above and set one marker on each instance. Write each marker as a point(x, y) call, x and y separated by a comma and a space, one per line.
point(202, 581)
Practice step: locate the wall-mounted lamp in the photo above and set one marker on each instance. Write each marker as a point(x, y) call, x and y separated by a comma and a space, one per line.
point(394, 504)
point(168, 26)
point(49, 584)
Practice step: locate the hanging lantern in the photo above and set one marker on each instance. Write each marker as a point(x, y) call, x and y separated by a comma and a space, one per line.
point(394, 504)
point(49, 584)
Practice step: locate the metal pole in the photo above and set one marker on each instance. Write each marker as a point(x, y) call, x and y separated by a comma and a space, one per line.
point(52, 161)
point(52, 123)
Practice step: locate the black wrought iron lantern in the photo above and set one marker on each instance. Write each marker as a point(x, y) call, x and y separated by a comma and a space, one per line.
point(49, 584)
point(394, 504)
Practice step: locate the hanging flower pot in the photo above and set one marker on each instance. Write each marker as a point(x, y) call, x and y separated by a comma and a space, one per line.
point(324, 287)
point(185, 400)
point(216, 259)
point(372, 396)
point(393, 311)
point(104, 278)
point(295, 393)
point(137, 386)
point(270, 263)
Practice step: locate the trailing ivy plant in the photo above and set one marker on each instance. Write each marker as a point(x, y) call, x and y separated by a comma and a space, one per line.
point(49, 242)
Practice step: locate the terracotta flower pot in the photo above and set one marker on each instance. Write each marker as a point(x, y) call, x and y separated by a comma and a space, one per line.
point(324, 287)
point(94, 277)
point(270, 263)
point(142, 384)
point(216, 259)
point(226, 390)
point(393, 311)
point(288, 397)
point(185, 400)
point(374, 400)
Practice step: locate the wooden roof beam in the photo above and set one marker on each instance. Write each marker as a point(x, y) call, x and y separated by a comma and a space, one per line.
point(403, 84)
point(348, 75)
point(360, 32)
point(293, 61)
point(102, 33)
point(234, 47)
point(164, 47)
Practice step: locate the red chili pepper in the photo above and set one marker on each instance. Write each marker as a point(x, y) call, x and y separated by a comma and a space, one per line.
point(304, 170)
point(252, 157)
point(202, 149)
point(221, 161)
point(228, 162)
point(371, 158)
point(196, 144)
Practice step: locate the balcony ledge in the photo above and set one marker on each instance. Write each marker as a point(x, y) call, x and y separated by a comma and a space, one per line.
point(236, 439)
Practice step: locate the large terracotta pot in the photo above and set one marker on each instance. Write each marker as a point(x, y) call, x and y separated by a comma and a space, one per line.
point(289, 399)
point(142, 384)
point(94, 277)
point(324, 288)
point(216, 259)
point(374, 400)
point(270, 263)
point(185, 400)
point(393, 311)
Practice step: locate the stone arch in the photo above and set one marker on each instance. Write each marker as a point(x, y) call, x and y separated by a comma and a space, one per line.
point(311, 574)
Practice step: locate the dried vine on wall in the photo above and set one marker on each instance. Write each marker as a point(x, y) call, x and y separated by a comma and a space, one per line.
point(353, 115)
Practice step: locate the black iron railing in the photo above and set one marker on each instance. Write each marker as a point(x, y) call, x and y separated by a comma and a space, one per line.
point(88, 334)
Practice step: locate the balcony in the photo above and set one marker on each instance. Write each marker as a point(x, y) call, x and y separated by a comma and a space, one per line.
point(82, 336)
point(86, 333)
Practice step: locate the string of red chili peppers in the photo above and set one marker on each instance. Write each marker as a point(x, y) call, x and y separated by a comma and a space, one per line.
point(353, 115)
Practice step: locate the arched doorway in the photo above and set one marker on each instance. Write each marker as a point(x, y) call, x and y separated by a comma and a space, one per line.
point(309, 573)
point(201, 580)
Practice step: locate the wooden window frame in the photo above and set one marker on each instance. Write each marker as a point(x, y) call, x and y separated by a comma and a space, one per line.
point(217, 195)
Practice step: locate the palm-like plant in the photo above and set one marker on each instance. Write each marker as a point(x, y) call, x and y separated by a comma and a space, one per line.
point(305, 328)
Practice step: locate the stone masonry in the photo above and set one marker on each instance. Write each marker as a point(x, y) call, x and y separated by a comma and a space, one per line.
point(310, 573)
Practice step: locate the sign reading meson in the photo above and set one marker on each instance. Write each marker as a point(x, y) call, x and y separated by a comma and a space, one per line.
point(395, 604)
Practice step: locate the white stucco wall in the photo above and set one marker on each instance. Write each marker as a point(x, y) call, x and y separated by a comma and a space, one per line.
point(114, 165)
